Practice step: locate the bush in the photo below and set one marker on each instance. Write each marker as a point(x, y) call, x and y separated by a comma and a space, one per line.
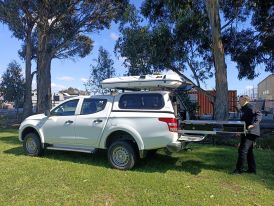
point(266, 141)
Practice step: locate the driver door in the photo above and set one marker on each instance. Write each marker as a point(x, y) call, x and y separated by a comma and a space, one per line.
point(59, 128)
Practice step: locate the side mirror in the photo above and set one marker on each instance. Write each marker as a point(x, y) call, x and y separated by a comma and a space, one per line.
point(47, 113)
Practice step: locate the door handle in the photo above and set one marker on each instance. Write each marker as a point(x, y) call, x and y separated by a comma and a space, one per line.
point(68, 122)
point(97, 121)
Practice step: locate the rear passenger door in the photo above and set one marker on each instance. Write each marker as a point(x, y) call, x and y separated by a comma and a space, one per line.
point(91, 121)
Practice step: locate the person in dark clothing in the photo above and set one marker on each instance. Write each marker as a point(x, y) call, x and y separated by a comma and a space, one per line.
point(252, 119)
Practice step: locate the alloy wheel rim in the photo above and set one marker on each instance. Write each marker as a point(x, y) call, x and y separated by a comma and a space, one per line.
point(31, 145)
point(120, 156)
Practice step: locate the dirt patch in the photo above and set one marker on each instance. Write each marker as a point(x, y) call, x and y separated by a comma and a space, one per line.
point(231, 186)
point(103, 199)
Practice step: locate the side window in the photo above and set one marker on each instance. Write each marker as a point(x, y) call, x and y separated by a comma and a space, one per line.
point(91, 106)
point(65, 109)
point(141, 101)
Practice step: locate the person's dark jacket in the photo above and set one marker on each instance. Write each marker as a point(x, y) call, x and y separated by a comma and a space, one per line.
point(251, 116)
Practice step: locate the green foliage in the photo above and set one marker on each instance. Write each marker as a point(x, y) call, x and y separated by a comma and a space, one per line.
point(197, 177)
point(252, 44)
point(12, 83)
point(102, 70)
point(134, 46)
point(57, 29)
point(65, 24)
point(21, 17)
point(265, 142)
point(176, 38)
point(13, 14)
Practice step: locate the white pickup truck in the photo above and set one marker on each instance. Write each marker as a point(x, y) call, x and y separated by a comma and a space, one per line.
point(127, 125)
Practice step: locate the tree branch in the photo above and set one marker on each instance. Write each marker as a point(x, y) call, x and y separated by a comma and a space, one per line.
point(32, 75)
point(209, 96)
point(228, 23)
point(193, 71)
point(232, 19)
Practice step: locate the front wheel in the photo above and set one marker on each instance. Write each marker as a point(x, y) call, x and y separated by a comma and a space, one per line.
point(121, 155)
point(32, 145)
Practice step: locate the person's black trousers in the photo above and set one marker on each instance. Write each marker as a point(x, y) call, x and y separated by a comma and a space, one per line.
point(245, 153)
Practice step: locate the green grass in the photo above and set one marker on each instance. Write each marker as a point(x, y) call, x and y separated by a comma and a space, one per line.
point(198, 177)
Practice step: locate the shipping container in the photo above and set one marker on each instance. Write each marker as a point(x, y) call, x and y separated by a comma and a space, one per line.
point(205, 107)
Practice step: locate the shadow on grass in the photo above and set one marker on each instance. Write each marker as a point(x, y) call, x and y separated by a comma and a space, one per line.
point(158, 163)
point(97, 159)
point(220, 159)
point(10, 139)
point(184, 163)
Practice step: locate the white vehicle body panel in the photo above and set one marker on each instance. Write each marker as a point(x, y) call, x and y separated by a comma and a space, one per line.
point(57, 130)
point(89, 128)
point(142, 125)
point(145, 126)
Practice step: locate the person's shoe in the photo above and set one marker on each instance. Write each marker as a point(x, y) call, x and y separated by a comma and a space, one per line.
point(250, 171)
point(237, 172)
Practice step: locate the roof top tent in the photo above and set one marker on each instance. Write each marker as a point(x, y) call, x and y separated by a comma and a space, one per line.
point(144, 82)
point(190, 130)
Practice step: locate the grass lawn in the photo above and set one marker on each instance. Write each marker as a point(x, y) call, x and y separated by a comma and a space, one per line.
point(198, 177)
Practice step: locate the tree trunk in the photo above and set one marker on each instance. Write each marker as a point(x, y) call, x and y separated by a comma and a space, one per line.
point(221, 101)
point(43, 75)
point(43, 85)
point(28, 76)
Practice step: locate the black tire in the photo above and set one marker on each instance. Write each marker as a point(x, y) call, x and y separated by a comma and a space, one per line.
point(121, 155)
point(32, 145)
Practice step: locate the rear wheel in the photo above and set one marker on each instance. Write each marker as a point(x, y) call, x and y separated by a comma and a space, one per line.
point(32, 145)
point(121, 155)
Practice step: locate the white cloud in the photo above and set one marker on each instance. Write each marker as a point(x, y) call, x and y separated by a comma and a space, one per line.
point(122, 59)
point(114, 36)
point(170, 72)
point(249, 87)
point(65, 78)
point(34, 84)
point(84, 80)
point(57, 87)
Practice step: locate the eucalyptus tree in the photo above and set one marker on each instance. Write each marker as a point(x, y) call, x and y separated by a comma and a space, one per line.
point(60, 29)
point(21, 16)
point(176, 34)
point(103, 69)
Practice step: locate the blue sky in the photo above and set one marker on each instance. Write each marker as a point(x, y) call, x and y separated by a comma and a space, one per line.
point(70, 72)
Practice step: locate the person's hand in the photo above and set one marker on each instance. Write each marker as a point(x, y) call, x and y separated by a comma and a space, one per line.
point(250, 127)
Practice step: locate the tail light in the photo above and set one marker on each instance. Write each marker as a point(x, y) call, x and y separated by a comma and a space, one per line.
point(171, 123)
